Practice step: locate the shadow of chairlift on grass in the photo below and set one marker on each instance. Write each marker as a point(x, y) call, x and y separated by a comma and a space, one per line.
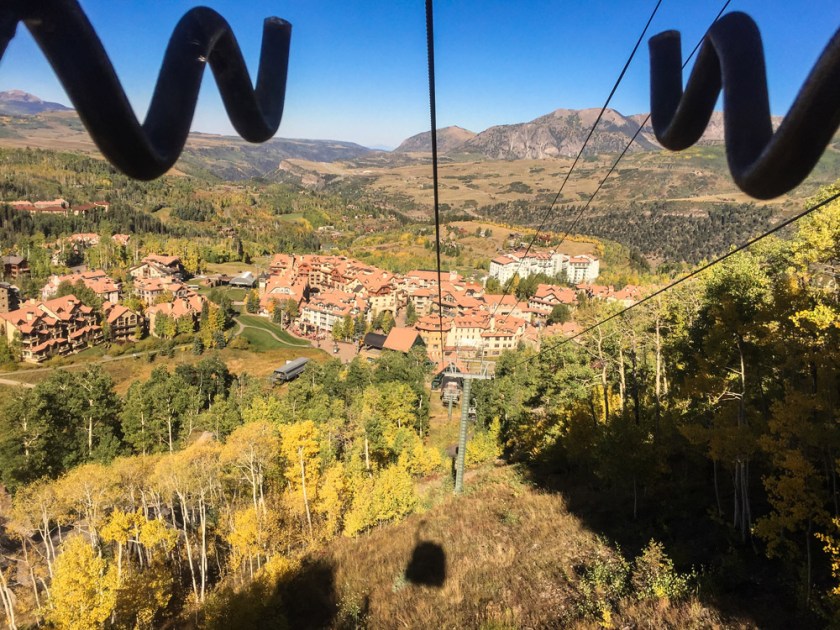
point(427, 566)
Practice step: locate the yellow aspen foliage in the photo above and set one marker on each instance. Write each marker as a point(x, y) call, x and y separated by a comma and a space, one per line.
point(87, 490)
point(277, 569)
point(252, 536)
point(250, 450)
point(143, 596)
point(393, 494)
point(296, 440)
point(818, 319)
point(118, 529)
point(831, 546)
point(485, 445)
point(264, 409)
point(84, 589)
point(419, 460)
point(333, 496)
point(244, 537)
point(387, 497)
point(361, 514)
point(154, 535)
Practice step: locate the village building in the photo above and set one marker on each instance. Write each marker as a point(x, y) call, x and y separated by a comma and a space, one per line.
point(431, 329)
point(627, 296)
point(9, 297)
point(379, 288)
point(121, 239)
point(506, 305)
point(425, 278)
point(15, 267)
point(422, 300)
point(244, 280)
point(595, 291)
point(372, 346)
point(527, 263)
point(280, 289)
point(402, 340)
point(326, 308)
point(96, 280)
point(156, 266)
point(566, 329)
point(503, 333)
point(549, 296)
point(180, 307)
point(54, 327)
point(54, 206)
point(458, 299)
point(523, 263)
point(582, 269)
point(330, 288)
point(122, 322)
point(151, 290)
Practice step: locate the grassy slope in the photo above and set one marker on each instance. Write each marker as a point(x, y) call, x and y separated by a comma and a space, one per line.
point(126, 371)
point(503, 555)
point(255, 321)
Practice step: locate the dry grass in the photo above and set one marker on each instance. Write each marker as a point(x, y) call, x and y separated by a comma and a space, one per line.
point(234, 268)
point(512, 558)
point(128, 369)
point(490, 247)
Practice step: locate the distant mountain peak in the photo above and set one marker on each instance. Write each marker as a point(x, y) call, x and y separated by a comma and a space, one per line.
point(448, 138)
point(20, 103)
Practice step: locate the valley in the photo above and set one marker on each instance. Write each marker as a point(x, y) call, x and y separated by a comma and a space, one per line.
point(628, 462)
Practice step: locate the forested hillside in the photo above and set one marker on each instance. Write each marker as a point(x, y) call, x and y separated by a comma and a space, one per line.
point(202, 220)
point(662, 231)
point(706, 418)
point(196, 480)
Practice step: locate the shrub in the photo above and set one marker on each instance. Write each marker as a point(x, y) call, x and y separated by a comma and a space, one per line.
point(239, 343)
point(654, 576)
point(603, 583)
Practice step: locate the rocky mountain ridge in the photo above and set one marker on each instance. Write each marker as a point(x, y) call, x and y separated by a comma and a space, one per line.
point(29, 121)
point(20, 103)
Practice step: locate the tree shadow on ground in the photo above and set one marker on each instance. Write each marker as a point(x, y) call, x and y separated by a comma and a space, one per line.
point(735, 578)
point(309, 596)
point(305, 598)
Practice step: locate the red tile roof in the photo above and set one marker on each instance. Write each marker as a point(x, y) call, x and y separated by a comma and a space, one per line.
point(401, 339)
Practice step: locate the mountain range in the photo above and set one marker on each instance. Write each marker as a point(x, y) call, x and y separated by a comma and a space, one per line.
point(558, 134)
point(26, 120)
point(20, 103)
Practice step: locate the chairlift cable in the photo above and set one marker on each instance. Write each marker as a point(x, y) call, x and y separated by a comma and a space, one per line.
point(548, 210)
point(430, 49)
point(696, 272)
point(612, 168)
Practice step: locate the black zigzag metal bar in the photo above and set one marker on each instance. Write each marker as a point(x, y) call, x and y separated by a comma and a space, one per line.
point(763, 164)
point(201, 37)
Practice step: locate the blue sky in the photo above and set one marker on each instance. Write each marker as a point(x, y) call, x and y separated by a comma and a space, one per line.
point(358, 68)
